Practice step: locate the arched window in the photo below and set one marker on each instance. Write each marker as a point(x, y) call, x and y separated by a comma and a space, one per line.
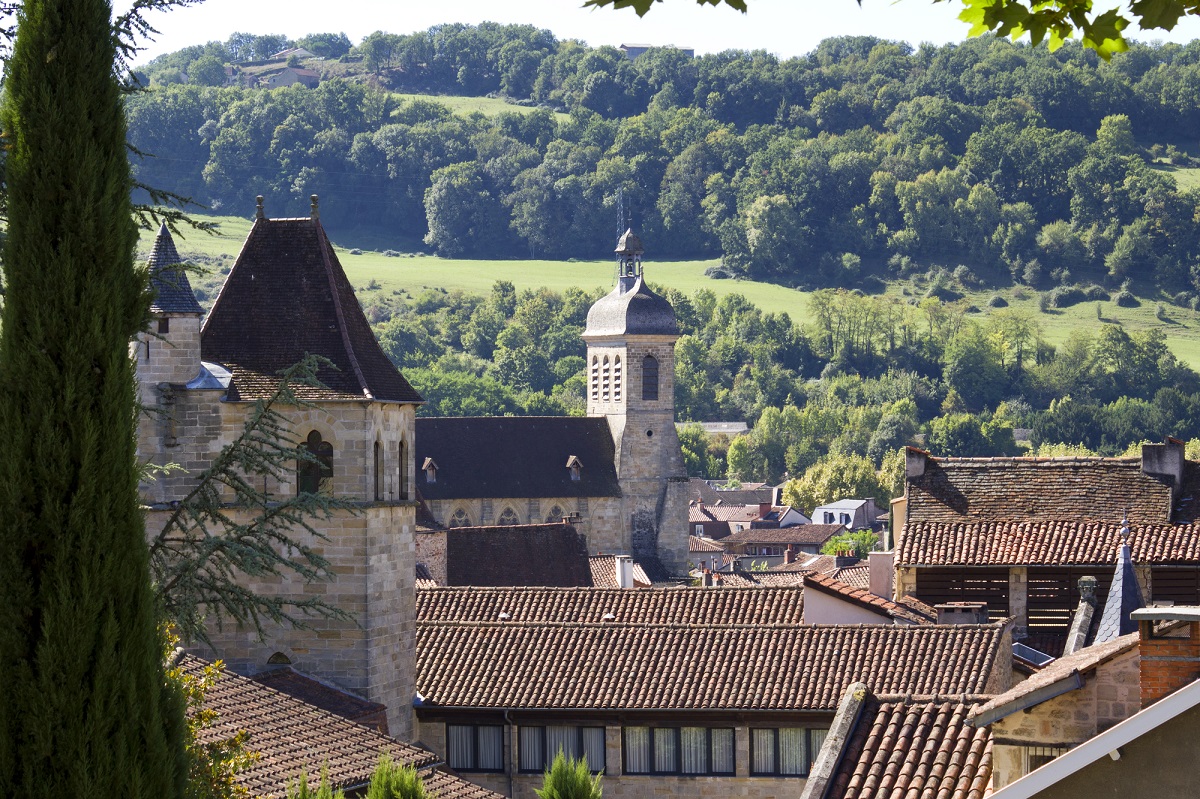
point(378, 472)
point(313, 474)
point(508, 518)
point(555, 515)
point(605, 380)
point(402, 470)
point(650, 378)
point(617, 379)
point(459, 519)
point(595, 381)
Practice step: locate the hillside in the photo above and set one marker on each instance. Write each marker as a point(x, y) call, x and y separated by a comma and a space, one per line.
point(375, 276)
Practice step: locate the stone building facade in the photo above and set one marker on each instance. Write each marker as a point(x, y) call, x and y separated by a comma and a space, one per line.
point(287, 297)
point(618, 472)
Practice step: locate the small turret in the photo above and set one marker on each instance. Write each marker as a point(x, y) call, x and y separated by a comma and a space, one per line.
point(170, 351)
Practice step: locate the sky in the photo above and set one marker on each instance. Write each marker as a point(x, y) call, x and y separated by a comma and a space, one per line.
point(784, 27)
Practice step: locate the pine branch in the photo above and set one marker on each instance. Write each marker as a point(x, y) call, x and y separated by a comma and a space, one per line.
point(203, 555)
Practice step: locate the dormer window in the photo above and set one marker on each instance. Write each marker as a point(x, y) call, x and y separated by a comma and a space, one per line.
point(575, 467)
point(431, 469)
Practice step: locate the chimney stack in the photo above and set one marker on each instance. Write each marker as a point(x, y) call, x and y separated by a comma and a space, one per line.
point(624, 571)
point(1165, 461)
point(962, 613)
point(881, 573)
point(1169, 660)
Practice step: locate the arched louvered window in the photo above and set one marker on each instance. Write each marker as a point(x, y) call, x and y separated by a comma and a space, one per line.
point(595, 378)
point(606, 380)
point(650, 378)
point(617, 379)
point(313, 474)
point(508, 518)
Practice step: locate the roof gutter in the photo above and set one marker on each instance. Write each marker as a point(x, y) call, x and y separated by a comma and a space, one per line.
point(1071, 682)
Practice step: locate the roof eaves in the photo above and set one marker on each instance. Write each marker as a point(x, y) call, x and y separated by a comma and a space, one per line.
point(1071, 682)
point(1108, 741)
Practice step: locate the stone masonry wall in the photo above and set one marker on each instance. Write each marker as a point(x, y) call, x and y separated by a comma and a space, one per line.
point(601, 517)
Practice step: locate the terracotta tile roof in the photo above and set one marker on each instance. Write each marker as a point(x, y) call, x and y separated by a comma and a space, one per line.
point(800, 534)
point(698, 544)
point(865, 599)
point(604, 572)
point(516, 456)
point(326, 697)
point(858, 575)
point(1043, 543)
point(170, 284)
point(646, 665)
point(1033, 489)
point(292, 735)
point(628, 606)
point(440, 785)
point(909, 747)
point(529, 554)
point(776, 579)
point(1082, 661)
point(723, 513)
point(287, 296)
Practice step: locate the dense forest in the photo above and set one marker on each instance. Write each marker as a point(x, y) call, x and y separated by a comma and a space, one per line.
point(972, 165)
point(990, 161)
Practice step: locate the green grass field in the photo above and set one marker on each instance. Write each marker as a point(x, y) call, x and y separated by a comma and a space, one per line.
point(488, 106)
point(1185, 177)
point(414, 273)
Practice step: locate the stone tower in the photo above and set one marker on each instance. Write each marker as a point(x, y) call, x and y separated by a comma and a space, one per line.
point(630, 335)
point(287, 296)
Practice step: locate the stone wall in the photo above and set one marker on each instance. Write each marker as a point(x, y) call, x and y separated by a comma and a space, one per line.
point(1110, 694)
point(431, 551)
point(601, 519)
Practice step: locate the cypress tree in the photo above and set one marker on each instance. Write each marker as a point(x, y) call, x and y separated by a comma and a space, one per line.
point(84, 706)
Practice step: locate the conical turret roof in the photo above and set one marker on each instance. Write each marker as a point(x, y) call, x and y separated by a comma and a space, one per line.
point(631, 308)
point(286, 297)
point(169, 281)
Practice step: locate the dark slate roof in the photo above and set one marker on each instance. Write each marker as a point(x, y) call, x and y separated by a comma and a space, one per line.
point(168, 280)
point(286, 297)
point(1043, 543)
point(699, 488)
point(529, 554)
point(631, 309)
point(1124, 597)
point(905, 747)
point(1036, 489)
point(687, 665)
point(516, 456)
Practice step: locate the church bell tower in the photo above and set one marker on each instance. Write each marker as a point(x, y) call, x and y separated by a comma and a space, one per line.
point(630, 335)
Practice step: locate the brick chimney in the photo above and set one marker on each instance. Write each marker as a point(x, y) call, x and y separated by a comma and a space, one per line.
point(789, 556)
point(1169, 660)
point(1165, 461)
point(763, 509)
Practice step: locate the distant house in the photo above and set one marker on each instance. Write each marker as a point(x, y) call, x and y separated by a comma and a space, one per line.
point(830, 601)
point(632, 51)
point(689, 692)
point(853, 514)
point(778, 545)
point(299, 52)
point(289, 76)
point(712, 492)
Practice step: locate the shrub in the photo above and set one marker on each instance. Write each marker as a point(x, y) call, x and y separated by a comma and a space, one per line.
point(1066, 296)
point(1125, 299)
point(356, 251)
point(1160, 312)
point(373, 285)
point(1095, 293)
point(1019, 293)
point(391, 254)
point(1183, 299)
point(1045, 301)
point(872, 284)
point(996, 301)
point(568, 778)
point(392, 780)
